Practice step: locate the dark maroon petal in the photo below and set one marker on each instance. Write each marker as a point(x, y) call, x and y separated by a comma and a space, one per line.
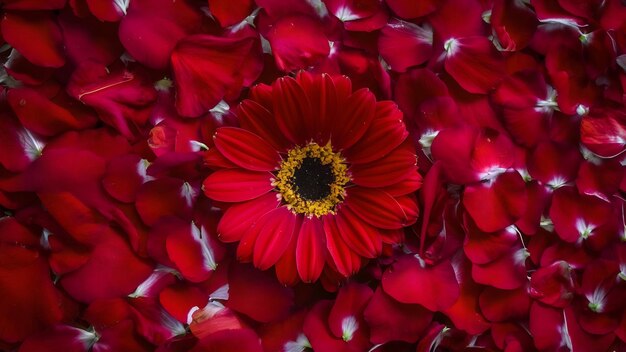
point(362, 238)
point(238, 218)
point(35, 35)
point(271, 300)
point(236, 185)
point(390, 320)
point(273, 236)
point(514, 24)
point(246, 149)
point(409, 280)
point(311, 249)
point(496, 204)
point(20, 146)
point(34, 4)
point(380, 209)
point(244, 340)
point(87, 39)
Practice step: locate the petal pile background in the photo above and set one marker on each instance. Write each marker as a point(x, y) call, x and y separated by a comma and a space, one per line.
point(107, 115)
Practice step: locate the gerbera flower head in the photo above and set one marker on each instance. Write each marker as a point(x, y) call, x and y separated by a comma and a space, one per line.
point(317, 174)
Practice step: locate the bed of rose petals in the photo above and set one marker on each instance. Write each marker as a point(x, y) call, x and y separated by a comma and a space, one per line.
point(516, 109)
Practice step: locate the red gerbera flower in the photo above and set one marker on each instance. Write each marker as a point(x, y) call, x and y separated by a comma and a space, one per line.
point(318, 174)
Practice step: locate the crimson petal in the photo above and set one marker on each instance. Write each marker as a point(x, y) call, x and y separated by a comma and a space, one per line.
point(246, 149)
point(273, 236)
point(396, 166)
point(310, 250)
point(36, 36)
point(236, 185)
point(380, 209)
point(239, 218)
point(362, 238)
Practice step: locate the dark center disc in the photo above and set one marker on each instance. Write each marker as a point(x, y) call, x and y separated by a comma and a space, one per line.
point(312, 179)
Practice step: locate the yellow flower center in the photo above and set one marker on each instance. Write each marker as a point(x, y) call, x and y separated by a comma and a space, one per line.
point(312, 180)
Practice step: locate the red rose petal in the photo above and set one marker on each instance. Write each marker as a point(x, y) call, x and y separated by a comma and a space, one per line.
point(193, 252)
point(151, 29)
point(390, 320)
point(228, 12)
point(415, 42)
point(501, 305)
point(36, 36)
point(474, 63)
point(222, 59)
point(409, 280)
point(42, 116)
point(236, 185)
point(297, 46)
point(271, 300)
point(498, 204)
point(163, 197)
point(412, 9)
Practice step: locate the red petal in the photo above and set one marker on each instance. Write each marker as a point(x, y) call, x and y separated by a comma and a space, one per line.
point(346, 261)
point(514, 24)
point(311, 250)
point(244, 340)
point(228, 12)
point(482, 248)
point(380, 209)
point(87, 39)
point(409, 280)
point(124, 177)
point(42, 116)
point(165, 197)
point(355, 117)
point(498, 204)
point(413, 41)
point(236, 185)
point(59, 338)
point(349, 304)
point(507, 272)
point(386, 132)
point(107, 11)
point(603, 131)
point(553, 284)
point(271, 300)
point(600, 180)
point(151, 29)
point(30, 301)
point(273, 236)
point(199, 56)
point(396, 166)
point(178, 299)
point(36, 36)
point(362, 238)
point(316, 330)
point(297, 46)
point(287, 268)
point(34, 4)
point(192, 251)
point(474, 63)
point(246, 149)
point(390, 320)
point(291, 108)
point(257, 119)
point(502, 305)
point(20, 146)
point(323, 96)
point(238, 219)
point(554, 165)
point(412, 9)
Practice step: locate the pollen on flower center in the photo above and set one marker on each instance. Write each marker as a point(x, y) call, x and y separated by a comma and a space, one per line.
point(312, 180)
